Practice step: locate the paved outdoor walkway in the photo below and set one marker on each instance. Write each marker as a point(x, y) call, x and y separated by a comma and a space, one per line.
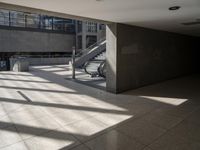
point(40, 110)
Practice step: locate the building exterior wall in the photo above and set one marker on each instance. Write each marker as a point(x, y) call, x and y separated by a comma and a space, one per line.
point(30, 41)
point(86, 31)
point(138, 56)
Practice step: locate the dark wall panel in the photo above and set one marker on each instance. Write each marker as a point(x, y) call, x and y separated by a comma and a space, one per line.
point(146, 56)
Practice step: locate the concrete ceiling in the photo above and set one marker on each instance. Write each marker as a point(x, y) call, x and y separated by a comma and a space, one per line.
point(146, 13)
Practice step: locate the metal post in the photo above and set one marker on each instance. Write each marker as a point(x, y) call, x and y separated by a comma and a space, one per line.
point(73, 62)
point(9, 19)
point(74, 55)
point(52, 24)
point(25, 20)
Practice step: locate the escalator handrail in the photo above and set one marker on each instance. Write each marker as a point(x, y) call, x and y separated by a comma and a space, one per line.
point(90, 47)
point(85, 67)
point(97, 71)
point(101, 68)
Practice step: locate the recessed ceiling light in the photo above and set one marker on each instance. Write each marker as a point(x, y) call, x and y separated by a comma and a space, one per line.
point(174, 7)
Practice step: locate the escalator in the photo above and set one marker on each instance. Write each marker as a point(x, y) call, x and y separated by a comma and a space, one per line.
point(102, 69)
point(92, 62)
point(92, 59)
point(90, 53)
point(97, 66)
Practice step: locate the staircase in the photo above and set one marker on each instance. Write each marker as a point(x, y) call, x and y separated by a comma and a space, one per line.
point(92, 60)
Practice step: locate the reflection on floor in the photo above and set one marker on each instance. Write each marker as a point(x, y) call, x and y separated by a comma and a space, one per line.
point(41, 110)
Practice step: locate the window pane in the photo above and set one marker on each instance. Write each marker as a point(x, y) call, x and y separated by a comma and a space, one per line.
point(4, 17)
point(91, 27)
point(32, 21)
point(46, 22)
point(102, 27)
point(79, 26)
point(69, 25)
point(17, 19)
point(90, 40)
point(58, 24)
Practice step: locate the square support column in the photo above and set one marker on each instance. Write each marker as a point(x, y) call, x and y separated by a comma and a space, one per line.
point(111, 58)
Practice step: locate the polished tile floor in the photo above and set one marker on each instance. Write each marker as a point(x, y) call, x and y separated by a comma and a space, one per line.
point(41, 110)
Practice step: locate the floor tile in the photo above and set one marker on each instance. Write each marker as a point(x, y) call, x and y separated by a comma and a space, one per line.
point(5, 122)
point(36, 127)
point(26, 115)
point(80, 147)
point(17, 146)
point(194, 117)
point(112, 120)
point(51, 141)
point(89, 115)
point(180, 111)
point(187, 130)
point(162, 120)
point(141, 130)
point(114, 140)
point(2, 111)
point(69, 116)
point(9, 136)
point(169, 142)
point(147, 148)
point(11, 107)
point(86, 129)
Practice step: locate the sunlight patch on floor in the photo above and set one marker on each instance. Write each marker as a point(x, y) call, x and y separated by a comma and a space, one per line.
point(167, 100)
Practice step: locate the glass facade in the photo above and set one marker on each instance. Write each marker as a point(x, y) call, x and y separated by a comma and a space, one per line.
point(36, 21)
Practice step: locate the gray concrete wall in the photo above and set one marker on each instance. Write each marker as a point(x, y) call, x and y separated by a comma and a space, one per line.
point(30, 41)
point(144, 56)
point(111, 58)
point(48, 61)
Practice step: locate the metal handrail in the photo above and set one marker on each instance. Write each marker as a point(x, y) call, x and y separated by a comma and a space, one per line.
point(92, 74)
point(101, 69)
point(41, 56)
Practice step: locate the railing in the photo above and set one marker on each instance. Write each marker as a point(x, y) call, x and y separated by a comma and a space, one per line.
point(92, 47)
point(90, 53)
point(85, 69)
point(102, 69)
point(41, 56)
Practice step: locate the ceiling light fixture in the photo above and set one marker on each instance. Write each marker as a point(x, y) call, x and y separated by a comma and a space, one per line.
point(174, 8)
